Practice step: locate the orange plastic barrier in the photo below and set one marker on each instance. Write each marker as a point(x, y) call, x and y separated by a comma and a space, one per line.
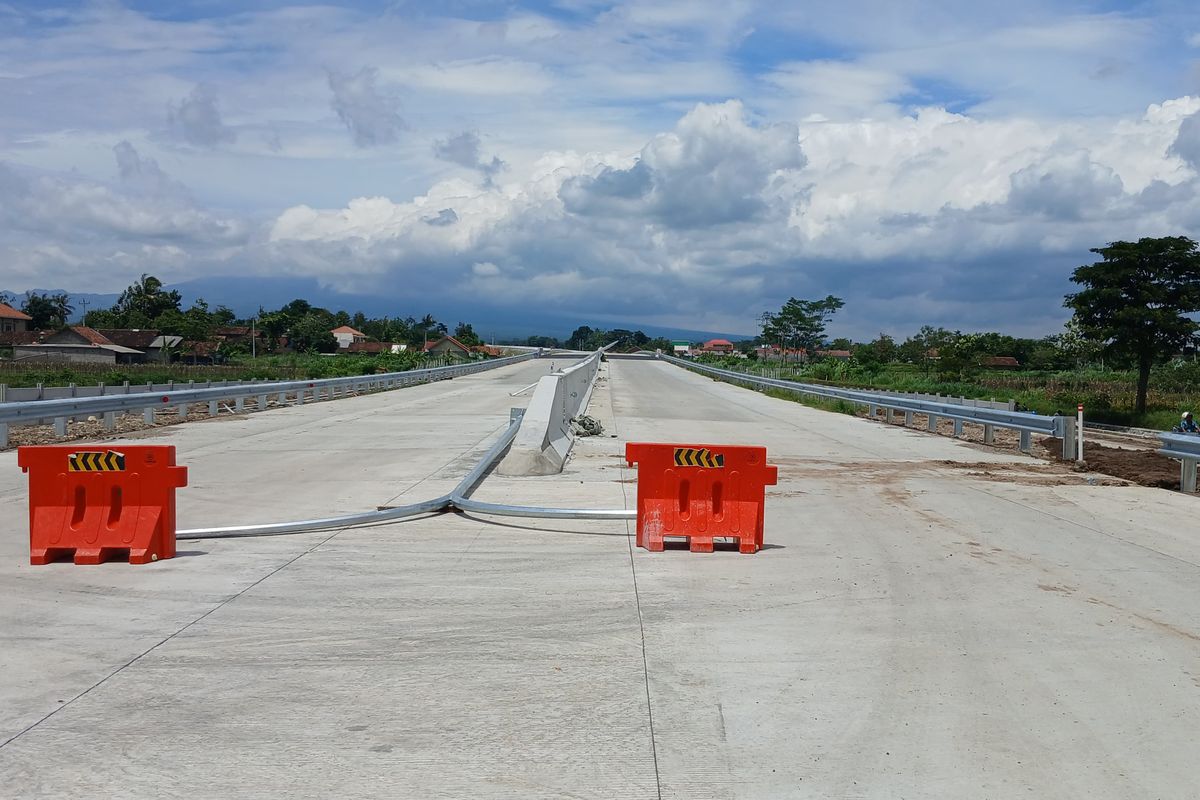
point(95, 503)
point(701, 492)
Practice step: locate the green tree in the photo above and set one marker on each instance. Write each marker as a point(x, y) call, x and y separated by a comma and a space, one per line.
point(800, 323)
point(884, 349)
point(924, 348)
point(223, 315)
point(426, 329)
point(311, 334)
point(466, 334)
point(145, 301)
point(47, 310)
point(579, 338)
point(1135, 302)
point(1076, 348)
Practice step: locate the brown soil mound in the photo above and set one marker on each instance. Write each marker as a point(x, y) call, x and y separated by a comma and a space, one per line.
point(1144, 467)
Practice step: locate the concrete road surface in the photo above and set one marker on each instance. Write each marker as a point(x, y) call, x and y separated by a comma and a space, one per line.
point(930, 620)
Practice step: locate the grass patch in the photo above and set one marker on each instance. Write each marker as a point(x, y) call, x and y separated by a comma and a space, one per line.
point(1107, 395)
point(813, 401)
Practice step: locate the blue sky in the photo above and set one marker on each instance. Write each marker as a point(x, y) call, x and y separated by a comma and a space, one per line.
point(671, 163)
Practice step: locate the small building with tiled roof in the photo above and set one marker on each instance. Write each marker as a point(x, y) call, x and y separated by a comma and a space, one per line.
point(347, 336)
point(78, 344)
point(447, 345)
point(12, 320)
point(717, 346)
point(137, 338)
point(839, 355)
point(1001, 362)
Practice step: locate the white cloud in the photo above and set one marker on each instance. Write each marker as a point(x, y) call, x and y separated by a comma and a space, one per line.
point(465, 149)
point(906, 156)
point(721, 207)
point(370, 114)
point(197, 121)
point(145, 221)
point(1187, 143)
point(833, 89)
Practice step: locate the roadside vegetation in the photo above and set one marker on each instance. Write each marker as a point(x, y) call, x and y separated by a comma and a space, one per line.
point(1128, 354)
point(1108, 395)
point(294, 366)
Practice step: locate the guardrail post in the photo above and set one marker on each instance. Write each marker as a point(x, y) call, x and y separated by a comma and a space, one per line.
point(262, 402)
point(1066, 430)
point(110, 420)
point(60, 426)
point(3, 434)
point(1187, 475)
point(908, 419)
point(989, 434)
point(933, 421)
point(3, 391)
point(281, 399)
point(1025, 445)
point(213, 408)
point(148, 415)
point(239, 405)
point(958, 428)
point(872, 409)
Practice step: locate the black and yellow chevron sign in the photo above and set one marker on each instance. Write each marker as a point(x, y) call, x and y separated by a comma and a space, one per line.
point(96, 461)
point(698, 457)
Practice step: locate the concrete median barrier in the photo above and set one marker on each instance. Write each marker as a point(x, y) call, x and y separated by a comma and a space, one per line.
point(544, 440)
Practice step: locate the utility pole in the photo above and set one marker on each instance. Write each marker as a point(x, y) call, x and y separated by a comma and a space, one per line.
point(84, 303)
point(253, 339)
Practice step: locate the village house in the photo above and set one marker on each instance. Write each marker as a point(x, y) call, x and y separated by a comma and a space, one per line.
point(77, 345)
point(717, 346)
point(347, 336)
point(13, 321)
point(447, 345)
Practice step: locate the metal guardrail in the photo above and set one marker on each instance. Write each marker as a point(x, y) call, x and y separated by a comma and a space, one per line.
point(1023, 422)
point(1185, 447)
point(458, 498)
point(35, 412)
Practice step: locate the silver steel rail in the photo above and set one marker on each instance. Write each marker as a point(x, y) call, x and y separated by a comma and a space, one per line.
point(33, 412)
point(1186, 448)
point(458, 498)
point(1024, 423)
point(364, 518)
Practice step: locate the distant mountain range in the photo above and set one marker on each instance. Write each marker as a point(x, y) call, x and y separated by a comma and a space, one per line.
point(246, 295)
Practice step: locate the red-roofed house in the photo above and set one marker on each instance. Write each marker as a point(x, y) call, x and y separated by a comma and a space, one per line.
point(840, 355)
point(12, 320)
point(447, 345)
point(78, 344)
point(717, 346)
point(1001, 362)
point(347, 336)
